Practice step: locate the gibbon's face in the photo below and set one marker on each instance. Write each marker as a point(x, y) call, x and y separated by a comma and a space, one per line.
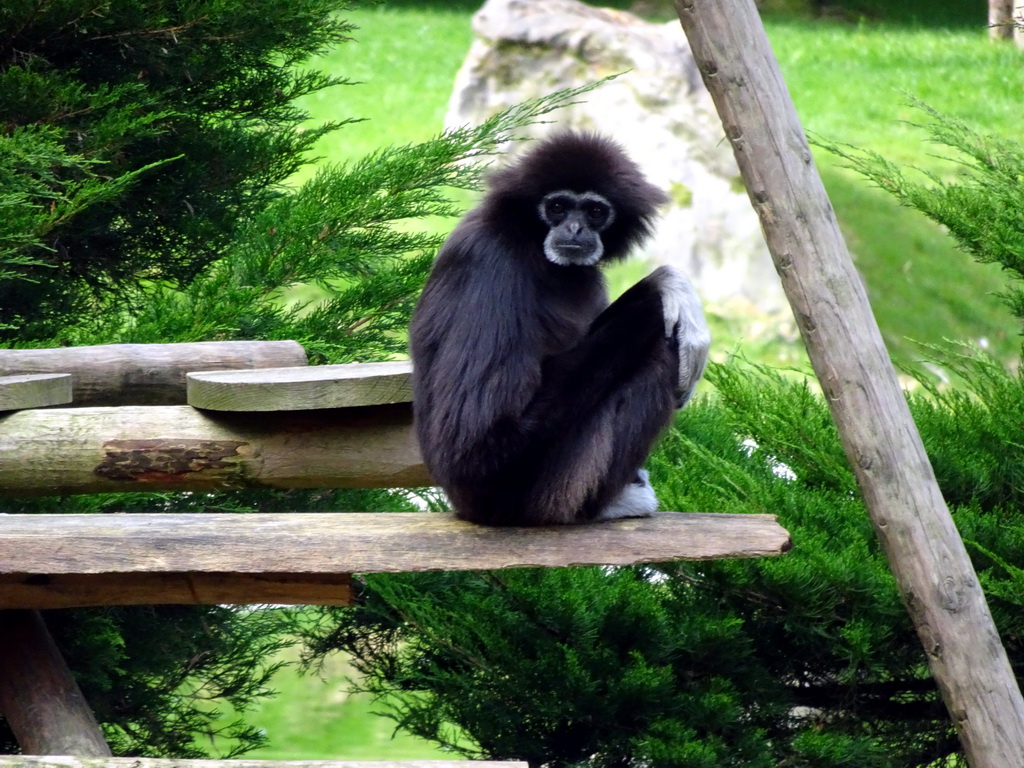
point(575, 223)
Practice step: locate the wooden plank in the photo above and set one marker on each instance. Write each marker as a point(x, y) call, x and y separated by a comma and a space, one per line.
point(55, 559)
point(38, 761)
point(145, 374)
point(179, 448)
point(34, 390)
point(925, 552)
point(39, 698)
point(296, 389)
point(92, 590)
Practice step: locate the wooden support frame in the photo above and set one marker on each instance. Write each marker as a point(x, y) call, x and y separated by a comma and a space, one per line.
point(60, 561)
point(39, 698)
point(925, 552)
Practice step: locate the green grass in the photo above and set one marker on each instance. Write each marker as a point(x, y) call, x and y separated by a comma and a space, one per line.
point(314, 717)
point(850, 84)
point(404, 61)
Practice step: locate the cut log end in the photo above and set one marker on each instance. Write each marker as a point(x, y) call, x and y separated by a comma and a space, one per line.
point(299, 389)
point(34, 391)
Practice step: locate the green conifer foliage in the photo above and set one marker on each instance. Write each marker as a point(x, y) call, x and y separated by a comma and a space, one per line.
point(140, 134)
point(982, 207)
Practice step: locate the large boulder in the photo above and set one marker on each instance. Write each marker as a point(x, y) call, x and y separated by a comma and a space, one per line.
point(658, 109)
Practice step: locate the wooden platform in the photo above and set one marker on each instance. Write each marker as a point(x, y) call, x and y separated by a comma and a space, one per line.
point(61, 561)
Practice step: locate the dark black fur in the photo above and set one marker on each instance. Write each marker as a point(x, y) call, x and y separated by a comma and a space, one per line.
point(535, 401)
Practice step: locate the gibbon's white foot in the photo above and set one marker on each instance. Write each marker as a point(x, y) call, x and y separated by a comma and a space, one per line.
point(685, 323)
point(636, 500)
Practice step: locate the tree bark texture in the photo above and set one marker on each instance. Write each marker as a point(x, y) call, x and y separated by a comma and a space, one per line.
point(936, 579)
point(38, 696)
point(179, 448)
point(1000, 19)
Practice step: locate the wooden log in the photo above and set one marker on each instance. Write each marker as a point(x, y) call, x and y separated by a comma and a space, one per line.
point(179, 448)
point(39, 698)
point(145, 374)
point(66, 560)
point(925, 552)
point(39, 761)
point(34, 390)
point(297, 389)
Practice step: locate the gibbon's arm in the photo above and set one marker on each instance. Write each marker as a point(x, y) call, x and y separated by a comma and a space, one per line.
point(474, 340)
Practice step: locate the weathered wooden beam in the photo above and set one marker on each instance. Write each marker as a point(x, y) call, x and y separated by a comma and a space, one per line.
point(179, 448)
point(297, 389)
point(39, 698)
point(145, 374)
point(936, 579)
point(50, 591)
point(74, 560)
point(38, 761)
point(34, 390)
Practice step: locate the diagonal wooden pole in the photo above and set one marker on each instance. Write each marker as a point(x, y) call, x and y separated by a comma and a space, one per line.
point(39, 697)
point(925, 552)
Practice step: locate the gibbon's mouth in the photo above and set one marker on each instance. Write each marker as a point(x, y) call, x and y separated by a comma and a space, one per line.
point(572, 255)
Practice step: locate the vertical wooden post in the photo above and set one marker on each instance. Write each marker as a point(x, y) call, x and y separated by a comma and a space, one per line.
point(1000, 19)
point(38, 696)
point(925, 552)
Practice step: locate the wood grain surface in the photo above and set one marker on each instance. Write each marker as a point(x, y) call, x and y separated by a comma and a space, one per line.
point(296, 389)
point(34, 390)
point(145, 374)
point(180, 448)
point(39, 698)
point(64, 560)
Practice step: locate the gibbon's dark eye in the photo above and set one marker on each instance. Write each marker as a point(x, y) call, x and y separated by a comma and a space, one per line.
point(597, 212)
point(557, 207)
